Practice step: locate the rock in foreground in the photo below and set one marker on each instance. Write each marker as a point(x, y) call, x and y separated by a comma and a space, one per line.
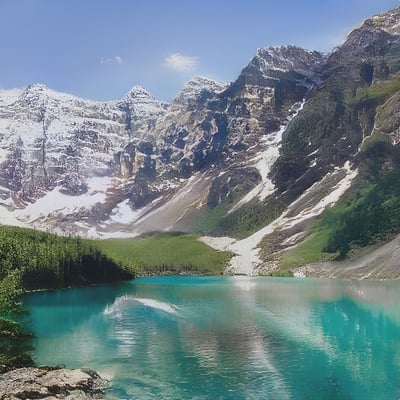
point(37, 383)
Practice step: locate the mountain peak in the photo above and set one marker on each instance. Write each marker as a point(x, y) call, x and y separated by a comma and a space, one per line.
point(138, 91)
point(36, 90)
point(285, 58)
point(40, 90)
point(139, 95)
point(202, 80)
point(37, 86)
point(36, 94)
point(372, 39)
point(197, 87)
point(143, 102)
point(388, 22)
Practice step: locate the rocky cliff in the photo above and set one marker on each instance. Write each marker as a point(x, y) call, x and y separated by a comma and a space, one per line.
point(277, 146)
point(74, 166)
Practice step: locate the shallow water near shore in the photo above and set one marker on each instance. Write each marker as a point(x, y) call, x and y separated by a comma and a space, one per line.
point(227, 337)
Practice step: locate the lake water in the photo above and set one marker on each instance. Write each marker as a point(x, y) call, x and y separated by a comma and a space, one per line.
point(227, 337)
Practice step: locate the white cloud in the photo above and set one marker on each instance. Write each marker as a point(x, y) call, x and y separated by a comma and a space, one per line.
point(118, 59)
point(115, 59)
point(181, 63)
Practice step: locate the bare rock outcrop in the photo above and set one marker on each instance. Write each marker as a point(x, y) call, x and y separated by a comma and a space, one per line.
point(59, 383)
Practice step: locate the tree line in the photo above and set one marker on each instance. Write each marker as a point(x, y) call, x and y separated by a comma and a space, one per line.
point(371, 216)
point(47, 261)
point(31, 260)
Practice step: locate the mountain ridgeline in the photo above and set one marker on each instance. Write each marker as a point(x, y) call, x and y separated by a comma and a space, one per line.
point(296, 131)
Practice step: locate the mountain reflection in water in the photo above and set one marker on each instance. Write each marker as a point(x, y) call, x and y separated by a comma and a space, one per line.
point(227, 337)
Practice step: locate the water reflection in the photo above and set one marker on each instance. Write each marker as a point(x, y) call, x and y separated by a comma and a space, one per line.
point(232, 338)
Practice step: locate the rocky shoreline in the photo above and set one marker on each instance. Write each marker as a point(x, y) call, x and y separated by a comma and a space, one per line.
point(50, 384)
point(379, 262)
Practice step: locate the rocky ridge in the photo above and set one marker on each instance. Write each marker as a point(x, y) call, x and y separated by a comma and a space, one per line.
point(99, 160)
point(266, 153)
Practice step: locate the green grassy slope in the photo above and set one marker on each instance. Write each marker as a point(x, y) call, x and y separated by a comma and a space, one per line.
point(161, 253)
point(366, 216)
point(31, 259)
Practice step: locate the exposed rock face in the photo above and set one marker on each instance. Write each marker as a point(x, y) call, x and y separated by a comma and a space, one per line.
point(387, 119)
point(36, 383)
point(249, 149)
point(334, 122)
point(58, 148)
point(370, 52)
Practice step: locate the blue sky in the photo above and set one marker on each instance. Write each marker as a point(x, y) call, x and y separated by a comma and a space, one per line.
point(99, 49)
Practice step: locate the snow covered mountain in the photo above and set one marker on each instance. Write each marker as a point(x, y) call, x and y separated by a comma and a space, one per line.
point(264, 154)
point(60, 155)
point(78, 166)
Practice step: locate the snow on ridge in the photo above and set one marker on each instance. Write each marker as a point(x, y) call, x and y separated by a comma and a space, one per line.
point(203, 81)
point(329, 200)
point(194, 88)
point(142, 103)
point(41, 90)
point(142, 99)
point(266, 159)
point(27, 104)
point(247, 251)
point(139, 94)
point(286, 58)
point(273, 58)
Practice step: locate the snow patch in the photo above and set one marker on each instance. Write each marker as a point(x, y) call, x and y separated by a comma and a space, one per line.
point(56, 202)
point(247, 257)
point(266, 159)
point(327, 201)
point(122, 213)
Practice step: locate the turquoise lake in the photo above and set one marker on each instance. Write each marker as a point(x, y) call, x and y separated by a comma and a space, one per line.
point(227, 337)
